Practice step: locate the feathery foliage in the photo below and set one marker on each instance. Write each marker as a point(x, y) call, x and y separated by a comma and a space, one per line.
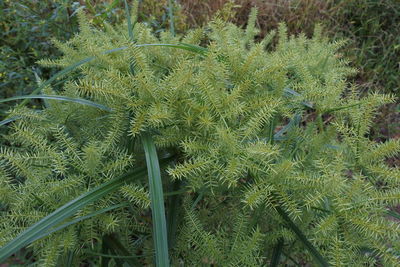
point(269, 148)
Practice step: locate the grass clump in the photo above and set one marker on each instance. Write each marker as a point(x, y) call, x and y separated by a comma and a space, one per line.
point(263, 150)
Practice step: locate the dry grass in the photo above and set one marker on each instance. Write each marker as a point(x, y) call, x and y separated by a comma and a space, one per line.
point(300, 16)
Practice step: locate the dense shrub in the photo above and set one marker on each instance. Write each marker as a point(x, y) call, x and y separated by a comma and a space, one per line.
point(264, 149)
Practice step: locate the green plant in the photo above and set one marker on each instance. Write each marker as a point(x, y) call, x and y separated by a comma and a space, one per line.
point(25, 31)
point(371, 27)
point(265, 155)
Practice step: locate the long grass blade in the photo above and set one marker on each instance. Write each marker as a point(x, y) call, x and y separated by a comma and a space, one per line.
point(173, 213)
point(314, 252)
point(64, 212)
point(394, 214)
point(58, 75)
point(70, 258)
point(157, 202)
point(4, 122)
point(189, 47)
point(117, 256)
point(60, 98)
point(276, 254)
point(171, 16)
point(76, 220)
point(115, 245)
point(128, 17)
point(292, 123)
point(291, 92)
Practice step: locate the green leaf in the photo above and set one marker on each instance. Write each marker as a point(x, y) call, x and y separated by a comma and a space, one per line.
point(276, 254)
point(173, 212)
point(3, 122)
point(61, 98)
point(76, 220)
point(117, 256)
point(189, 47)
point(70, 258)
point(290, 92)
point(64, 212)
point(115, 245)
point(157, 202)
point(314, 252)
point(394, 214)
point(171, 17)
point(128, 17)
point(292, 123)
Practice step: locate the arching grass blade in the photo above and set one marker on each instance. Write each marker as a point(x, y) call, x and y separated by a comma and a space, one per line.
point(3, 122)
point(188, 47)
point(291, 92)
point(60, 98)
point(76, 220)
point(58, 75)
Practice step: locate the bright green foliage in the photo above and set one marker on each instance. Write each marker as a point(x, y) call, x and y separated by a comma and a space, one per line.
point(252, 129)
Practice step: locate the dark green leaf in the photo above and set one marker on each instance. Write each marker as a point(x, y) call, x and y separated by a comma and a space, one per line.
point(128, 17)
point(314, 252)
point(276, 254)
point(58, 97)
point(157, 202)
point(114, 244)
point(76, 220)
point(291, 92)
